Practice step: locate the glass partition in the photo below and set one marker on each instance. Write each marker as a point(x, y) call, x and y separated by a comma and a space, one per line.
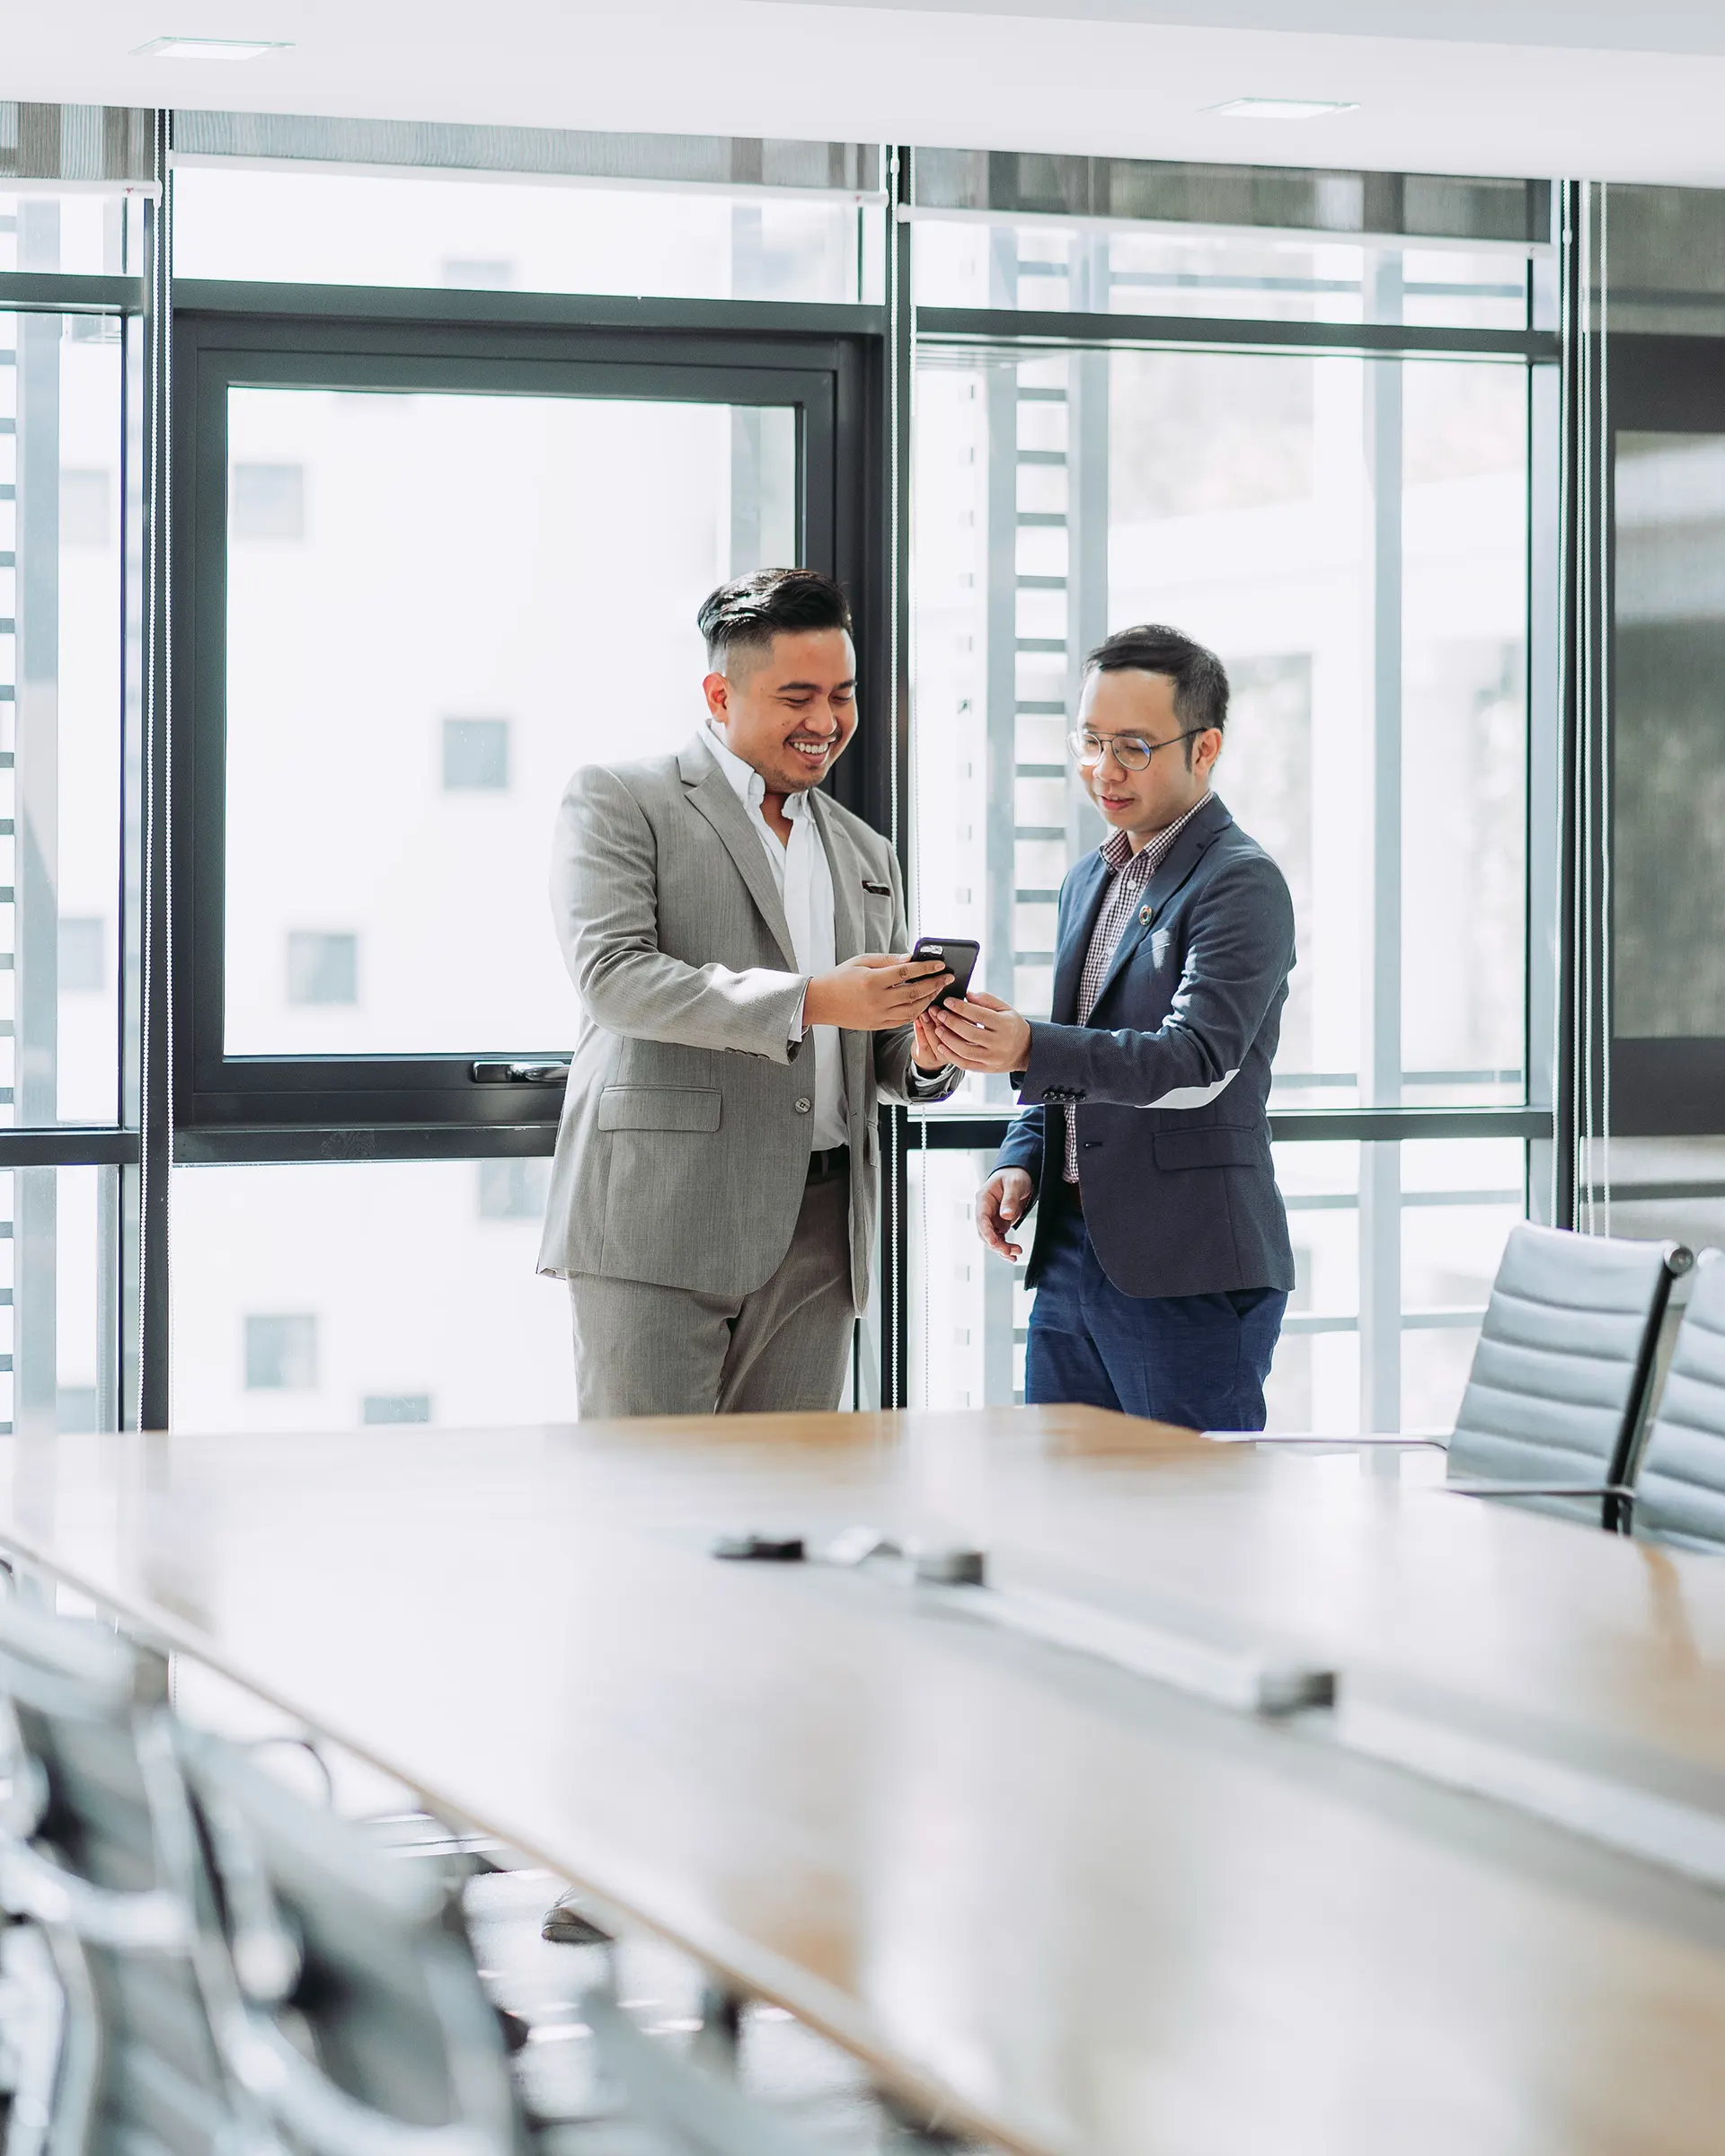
point(1351, 536)
point(1412, 1301)
point(62, 487)
point(1047, 264)
point(376, 228)
point(328, 1297)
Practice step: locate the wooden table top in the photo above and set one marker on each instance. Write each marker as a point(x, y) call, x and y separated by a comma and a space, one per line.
point(1087, 1912)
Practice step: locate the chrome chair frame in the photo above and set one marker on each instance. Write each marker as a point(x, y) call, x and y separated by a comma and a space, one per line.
point(82, 1675)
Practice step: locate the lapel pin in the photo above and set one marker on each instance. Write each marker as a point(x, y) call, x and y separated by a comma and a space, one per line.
point(1146, 914)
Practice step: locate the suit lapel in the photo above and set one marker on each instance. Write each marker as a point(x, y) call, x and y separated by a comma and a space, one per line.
point(846, 871)
point(710, 792)
point(1183, 856)
point(1069, 968)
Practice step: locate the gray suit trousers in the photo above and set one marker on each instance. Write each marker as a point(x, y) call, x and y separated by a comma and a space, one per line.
point(645, 1350)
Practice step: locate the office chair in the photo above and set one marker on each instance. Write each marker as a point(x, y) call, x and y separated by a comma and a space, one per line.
point(1557, 1396)
point(355, 2018)
point(1680, 1491)
point(112, 2046)
point(1557, 1399)
point(358, 2022)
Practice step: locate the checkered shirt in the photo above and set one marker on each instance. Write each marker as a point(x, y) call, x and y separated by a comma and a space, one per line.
point(1131, 871)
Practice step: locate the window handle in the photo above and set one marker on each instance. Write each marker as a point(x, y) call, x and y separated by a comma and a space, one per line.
point(534, 1073)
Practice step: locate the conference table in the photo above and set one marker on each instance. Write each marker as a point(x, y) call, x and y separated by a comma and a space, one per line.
point(1253, 1797)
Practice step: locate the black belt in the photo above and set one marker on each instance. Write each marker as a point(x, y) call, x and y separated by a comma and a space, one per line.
point(834, 1161)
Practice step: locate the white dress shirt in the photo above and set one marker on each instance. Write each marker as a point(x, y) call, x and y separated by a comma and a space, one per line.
point(805, 880)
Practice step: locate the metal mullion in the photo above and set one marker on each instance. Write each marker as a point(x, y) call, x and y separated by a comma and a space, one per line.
point(1028, 326)
point(1380, 1214)
point(121, 1216)
point(900, 356)
point(415, 305)
point(1544, 817)
point(69, 292)
point(147, 1303)
point(265, 1144)
point(1393, 1126)
point(1570, 956)
point(68, 1147)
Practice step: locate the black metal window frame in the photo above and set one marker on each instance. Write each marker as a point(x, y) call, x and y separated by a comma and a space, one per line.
point(822, 362)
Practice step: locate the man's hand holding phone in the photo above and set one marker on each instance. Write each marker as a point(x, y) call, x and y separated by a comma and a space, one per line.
point(873, 993)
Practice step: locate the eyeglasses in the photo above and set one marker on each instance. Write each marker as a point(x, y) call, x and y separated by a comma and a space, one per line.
point(1131, 751)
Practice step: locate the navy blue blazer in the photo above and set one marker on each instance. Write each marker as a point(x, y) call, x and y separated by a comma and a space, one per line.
point(1170, 1076)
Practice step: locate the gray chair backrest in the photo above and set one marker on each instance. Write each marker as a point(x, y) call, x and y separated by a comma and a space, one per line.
point(90, 1864)
point(1558, 1383)
point(1680, 1490)
point(358, 2020)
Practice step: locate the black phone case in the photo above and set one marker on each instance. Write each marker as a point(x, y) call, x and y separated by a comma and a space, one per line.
point(959, 986)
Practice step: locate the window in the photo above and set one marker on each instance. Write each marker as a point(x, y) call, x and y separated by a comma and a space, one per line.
point(476, 755)
point(475, 492)
point(1204, 274)
point(1241, 497)
point(379, 228)
point(393, 1289)
point(1666, 978)
point(62, 667)
point(281, 1354)
point(1451, 1205)
point(267, 502)
point(1350, 533)
point(513, 1190)
point(322, 969)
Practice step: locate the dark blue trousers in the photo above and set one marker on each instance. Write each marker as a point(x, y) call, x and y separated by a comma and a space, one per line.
point(1197, 1360)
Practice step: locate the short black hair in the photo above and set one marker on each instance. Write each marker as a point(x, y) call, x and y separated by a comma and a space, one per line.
point(748, 613)
point(1200, 679)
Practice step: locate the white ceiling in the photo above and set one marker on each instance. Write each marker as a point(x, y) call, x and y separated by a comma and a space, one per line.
point(1560, 87)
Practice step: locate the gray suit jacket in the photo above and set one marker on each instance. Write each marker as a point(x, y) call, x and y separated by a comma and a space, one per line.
point(684, 1146)
point(1172, 1071)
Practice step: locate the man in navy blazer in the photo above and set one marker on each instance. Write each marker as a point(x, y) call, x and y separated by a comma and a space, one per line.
point(1161, 1261)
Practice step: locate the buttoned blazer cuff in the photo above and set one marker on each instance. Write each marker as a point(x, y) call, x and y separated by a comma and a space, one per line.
point(1036, 1083)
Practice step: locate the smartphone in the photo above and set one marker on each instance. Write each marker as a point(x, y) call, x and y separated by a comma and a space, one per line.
point(958, 954)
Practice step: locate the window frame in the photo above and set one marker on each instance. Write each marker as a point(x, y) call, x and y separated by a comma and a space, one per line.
point(824, 362)
point(1664, 1085)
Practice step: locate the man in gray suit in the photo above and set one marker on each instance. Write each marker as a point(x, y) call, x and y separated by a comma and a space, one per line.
point(734, 936)
point(1162, 1263)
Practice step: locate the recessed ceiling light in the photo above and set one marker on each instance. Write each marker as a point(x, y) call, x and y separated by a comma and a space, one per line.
point(211, 48)
point(1281, 108)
